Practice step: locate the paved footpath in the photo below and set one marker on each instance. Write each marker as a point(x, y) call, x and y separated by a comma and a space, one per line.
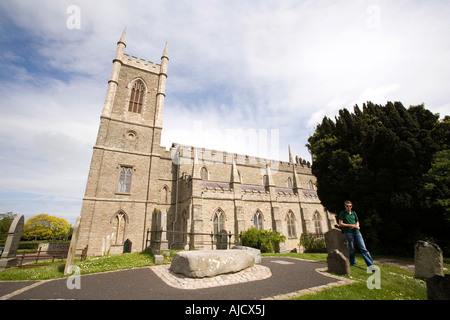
point(281, 278)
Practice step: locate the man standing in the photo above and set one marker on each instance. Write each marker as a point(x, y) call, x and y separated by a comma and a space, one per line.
point(348, 221)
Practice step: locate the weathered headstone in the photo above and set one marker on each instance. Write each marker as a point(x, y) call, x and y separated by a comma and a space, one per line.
point(9, 258)
point(335, 239)
point(158, 259)
point(73, 246)
point(438, 287)
point(428, 260)
point(338, 263)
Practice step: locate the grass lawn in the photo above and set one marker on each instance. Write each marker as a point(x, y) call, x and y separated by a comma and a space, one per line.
point(90, 265)
point(396, 283)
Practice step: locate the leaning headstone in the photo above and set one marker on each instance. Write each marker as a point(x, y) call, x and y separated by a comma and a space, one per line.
point(9, 258)
point(335, 239)
point(428, 260)
point(338, 263)
point(72, 247)
point(438, 287)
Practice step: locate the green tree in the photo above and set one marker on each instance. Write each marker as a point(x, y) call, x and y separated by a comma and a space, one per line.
point(377, 157)
point(5, 222)
point(45, 227)
point(435, 196)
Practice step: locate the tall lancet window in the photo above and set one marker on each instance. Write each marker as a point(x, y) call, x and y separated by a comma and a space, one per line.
point(219, 221)
point(258, 220)
point(124, 180)
point(137, 97)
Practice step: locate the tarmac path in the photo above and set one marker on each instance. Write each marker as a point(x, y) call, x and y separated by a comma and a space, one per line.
point(288, 275)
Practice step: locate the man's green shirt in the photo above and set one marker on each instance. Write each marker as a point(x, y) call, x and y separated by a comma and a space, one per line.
point(348, 218)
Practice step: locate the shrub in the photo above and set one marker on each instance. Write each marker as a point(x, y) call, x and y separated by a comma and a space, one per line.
point(264, 240)
point(312, 243)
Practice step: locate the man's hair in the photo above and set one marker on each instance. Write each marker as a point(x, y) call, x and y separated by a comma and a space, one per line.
point(347, 202)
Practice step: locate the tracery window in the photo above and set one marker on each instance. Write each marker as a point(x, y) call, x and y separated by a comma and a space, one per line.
point(136, 97)
point(124, 180)
point(317, 223)
point(119, 227)
point(258, 220)
point(291, 225)
point(219, 221)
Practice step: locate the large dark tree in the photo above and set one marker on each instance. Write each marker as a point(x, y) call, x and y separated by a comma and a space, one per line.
point(377, 158)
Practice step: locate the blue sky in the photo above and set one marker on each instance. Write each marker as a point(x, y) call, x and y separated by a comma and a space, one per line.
point(270, 67)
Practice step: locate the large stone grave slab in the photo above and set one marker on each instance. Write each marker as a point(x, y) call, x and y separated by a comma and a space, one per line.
point(209, 263)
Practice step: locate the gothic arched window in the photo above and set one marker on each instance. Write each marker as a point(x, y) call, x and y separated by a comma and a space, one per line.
point(289, 183)
point(204, 173)
point(219, 221)
point(291, 225)
point(258, 220)
point(165, 194)
point(137, 97)
point(317, 223)
point(119, 223)
point(124, 180)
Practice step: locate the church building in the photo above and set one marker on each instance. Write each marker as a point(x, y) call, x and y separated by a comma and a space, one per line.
point(194, 192)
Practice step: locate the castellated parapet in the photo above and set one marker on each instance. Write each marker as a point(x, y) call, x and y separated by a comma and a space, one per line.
point(133, 181)
point(141, 64)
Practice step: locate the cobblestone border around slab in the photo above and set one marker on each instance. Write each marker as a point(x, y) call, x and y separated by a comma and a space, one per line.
point(255, 273)
point(322, 271)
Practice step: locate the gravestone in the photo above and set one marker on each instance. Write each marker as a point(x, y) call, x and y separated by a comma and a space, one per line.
point(338, 263)
point(438, 287)
point(428, 260)
point(335, 239)
point(158, 259)
point(9, 258)
point(73, 246)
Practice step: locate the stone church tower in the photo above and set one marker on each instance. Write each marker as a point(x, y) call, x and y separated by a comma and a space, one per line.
point(194, 190)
